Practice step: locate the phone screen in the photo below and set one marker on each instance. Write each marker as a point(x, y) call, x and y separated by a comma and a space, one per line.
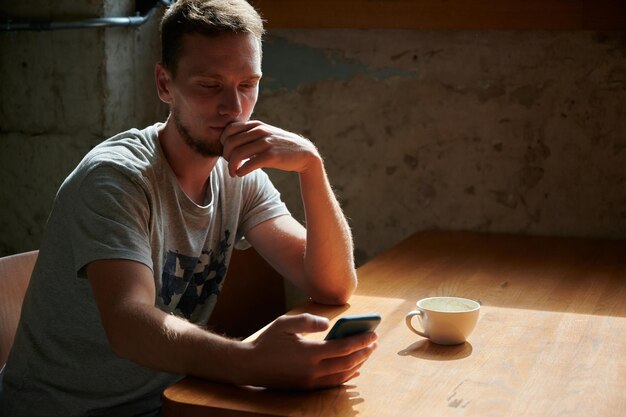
point(351, 325)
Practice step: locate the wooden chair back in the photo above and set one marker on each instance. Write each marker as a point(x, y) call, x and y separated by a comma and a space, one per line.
point(15, 271)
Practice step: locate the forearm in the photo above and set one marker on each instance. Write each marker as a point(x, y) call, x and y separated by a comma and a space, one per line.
point(329, 261)
point(157, 340)
point(327, 271)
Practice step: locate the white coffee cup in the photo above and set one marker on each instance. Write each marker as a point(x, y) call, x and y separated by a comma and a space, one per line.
point(445, 320)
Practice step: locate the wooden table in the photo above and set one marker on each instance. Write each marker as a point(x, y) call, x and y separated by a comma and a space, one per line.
point(550, 341)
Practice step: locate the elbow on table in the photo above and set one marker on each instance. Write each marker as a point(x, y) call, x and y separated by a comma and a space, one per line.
point(333, 300)
point(336, 296)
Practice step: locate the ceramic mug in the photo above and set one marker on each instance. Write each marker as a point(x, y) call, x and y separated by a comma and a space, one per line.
point(445, 320)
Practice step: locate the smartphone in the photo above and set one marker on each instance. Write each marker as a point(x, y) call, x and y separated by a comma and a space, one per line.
point(351, 325)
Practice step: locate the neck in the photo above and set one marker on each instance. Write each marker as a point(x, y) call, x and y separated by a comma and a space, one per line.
point(192, 170)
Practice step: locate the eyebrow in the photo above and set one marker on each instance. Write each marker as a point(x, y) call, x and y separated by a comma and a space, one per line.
point(254, 76)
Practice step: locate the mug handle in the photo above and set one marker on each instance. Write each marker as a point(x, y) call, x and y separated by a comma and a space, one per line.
point(410, 316)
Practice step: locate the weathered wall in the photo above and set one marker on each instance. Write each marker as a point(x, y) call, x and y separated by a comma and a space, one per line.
point(61, 93)
point(500, 131)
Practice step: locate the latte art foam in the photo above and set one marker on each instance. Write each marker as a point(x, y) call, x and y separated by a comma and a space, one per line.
point(448, 304)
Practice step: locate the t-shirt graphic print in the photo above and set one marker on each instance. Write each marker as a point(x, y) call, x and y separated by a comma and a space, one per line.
point(189, 281)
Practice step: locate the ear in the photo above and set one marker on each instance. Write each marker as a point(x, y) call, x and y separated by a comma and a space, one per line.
point(163, 80)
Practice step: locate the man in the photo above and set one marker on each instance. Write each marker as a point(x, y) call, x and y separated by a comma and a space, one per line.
point(142, 231)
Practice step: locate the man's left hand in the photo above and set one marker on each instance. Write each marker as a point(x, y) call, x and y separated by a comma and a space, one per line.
point(254, 144)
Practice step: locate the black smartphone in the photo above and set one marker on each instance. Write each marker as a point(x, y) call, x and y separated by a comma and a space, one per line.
point(351, 325)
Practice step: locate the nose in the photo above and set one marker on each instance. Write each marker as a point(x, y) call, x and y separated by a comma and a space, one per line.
point(230, 103)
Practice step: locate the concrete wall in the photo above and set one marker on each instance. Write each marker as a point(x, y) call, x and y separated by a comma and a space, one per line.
point(499, 131)
point(61, 93)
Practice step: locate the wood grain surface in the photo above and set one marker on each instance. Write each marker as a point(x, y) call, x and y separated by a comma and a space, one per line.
point(550, 340)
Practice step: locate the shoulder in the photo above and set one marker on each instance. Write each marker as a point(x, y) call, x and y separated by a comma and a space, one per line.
point(124, 158)
point(132, 149)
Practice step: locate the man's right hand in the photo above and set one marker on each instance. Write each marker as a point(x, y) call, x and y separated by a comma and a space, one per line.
point(281, 358)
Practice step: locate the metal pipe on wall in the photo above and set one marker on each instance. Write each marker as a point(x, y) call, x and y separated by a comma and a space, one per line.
point(145, 10)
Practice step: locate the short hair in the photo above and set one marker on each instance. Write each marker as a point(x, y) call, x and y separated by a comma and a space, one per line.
point(208, 18)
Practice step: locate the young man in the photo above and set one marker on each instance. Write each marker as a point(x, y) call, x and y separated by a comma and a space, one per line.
point(142, 231)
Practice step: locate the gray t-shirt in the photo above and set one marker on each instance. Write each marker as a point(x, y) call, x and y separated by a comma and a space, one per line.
point(123, 202)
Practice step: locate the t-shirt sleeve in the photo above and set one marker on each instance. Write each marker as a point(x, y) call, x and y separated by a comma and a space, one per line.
point(261, 202)
point(111, 217)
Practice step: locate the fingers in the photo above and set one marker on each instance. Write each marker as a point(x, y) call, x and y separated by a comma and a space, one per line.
point(252, 145)
point(294, 362)
point(247, 166)
point(338, 370)
point(248, 157)
point(348, 345)
point(242, 142)
point(344, 357)
point(351, 362)
point(301, 323)
point(240, 133)
point(236, 128)
point(347, 356)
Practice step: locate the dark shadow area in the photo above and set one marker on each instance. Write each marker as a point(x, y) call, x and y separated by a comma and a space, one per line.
point(252, 296)
point(425, 349)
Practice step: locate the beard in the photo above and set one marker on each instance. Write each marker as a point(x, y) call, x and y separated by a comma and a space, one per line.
point(206, 148)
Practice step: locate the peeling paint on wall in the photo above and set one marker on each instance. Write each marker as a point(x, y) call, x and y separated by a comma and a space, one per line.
point(500, 131)
point(289, 65)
